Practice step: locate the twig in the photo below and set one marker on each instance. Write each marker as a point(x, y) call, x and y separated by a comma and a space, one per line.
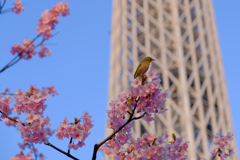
point(12, 119)
point(70, 143)
point(69, 155)
point(1, 7)
point(34, 151)
point(97, 146)
point(11, 63)
point(6, 10)
point(217, 154)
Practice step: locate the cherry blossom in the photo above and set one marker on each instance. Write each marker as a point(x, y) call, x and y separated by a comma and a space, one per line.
point(26, 51)
point(9, 122)
point(36, 130)
point(149, 147)
point(33, 150)
point(4, 105)
point(46, 24)
point(146, 98)
point(17, 7)
point(44, 51)
point(21, 156)
point(49, 18)
point(222, 143)
point(76, 130)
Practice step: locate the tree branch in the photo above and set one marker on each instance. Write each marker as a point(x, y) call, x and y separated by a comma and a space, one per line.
point(1, 7)
point(12, 119)
point(218, 151)
point(69, 155)
point(11, 63)
point(48, 144)
point(97, 146)
point(139, 116)
point(70, 143)
point(6, 10)
point(34, 151)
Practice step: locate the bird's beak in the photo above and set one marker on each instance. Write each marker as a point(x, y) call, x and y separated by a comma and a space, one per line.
point(153, 59)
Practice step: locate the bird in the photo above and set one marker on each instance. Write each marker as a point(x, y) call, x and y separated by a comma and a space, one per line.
point(143, 67)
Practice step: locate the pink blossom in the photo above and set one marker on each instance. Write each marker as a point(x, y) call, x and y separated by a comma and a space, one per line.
point(49, 18)
point(17, 7)
point(37, 132)
point(26, 51)
point(64, 124)
point(222, 143)
point(136, 82)
point(52, 90)
point(21, 156)
point(45, 93)
point(76, 130)
point(61, 8)
point(146, 148)
point(5, 105)
point(36, 97)
point(44, 51)
point(22, 146)
point(9, 122)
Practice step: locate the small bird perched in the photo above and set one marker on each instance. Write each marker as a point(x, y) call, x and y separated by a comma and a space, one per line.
point(143, 67)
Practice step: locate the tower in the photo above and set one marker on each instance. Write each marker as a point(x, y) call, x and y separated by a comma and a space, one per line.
point(181, 36)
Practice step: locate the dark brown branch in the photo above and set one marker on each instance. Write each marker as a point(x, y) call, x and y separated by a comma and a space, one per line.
point(218, 151)
point(139, 117)
point(97, 146)
point(70, 143)
point(129, 113)
point(69, 155)
point(12, 119)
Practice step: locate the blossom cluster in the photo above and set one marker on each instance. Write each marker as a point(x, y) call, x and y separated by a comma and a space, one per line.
point(4, 105)
point(9, 122)
point(149, 147)
point(26, 51)
point(33, 150)
point(76, 130)
point(32, 101)
point(46, 24)
point(144, 98)
point(222, 143)
point(17, 7)
point(21, 156)
point(44, 51)
point(50, 17)
point(36, 130)
point(51, 90)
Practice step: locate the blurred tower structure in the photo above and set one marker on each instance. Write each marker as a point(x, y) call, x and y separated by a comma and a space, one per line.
point(181, 36)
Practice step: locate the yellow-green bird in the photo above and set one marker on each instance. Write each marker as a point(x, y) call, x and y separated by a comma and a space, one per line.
point(143, 67)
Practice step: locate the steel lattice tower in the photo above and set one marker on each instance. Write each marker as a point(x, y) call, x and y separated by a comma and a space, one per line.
point(181, 36)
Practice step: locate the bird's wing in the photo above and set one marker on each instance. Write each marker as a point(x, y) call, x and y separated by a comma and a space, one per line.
point(137, 70)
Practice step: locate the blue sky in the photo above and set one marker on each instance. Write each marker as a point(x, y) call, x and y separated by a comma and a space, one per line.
point(79, 66)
